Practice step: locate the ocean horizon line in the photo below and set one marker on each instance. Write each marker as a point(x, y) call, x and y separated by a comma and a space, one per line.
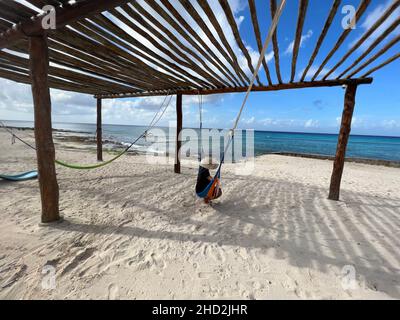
point(210, 128)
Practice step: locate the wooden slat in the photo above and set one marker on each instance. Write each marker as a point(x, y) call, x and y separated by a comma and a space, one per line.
point(68, 74)
point(303, 5)
point(64, 16)
point(107, 41)
point(214, 21)
point(232, 22)
point(41, 3)
point(367, 34)
point(377, 42)
point(111, 56)
point(173, 68)
point(257, 33)
point(53, 82)
point(360, 11)
point(15, 11)
point(203, 61)
point(65, 55)
point(275, 43)
point(374, 57)
point(190, 35)
point(154, 37)
point(199, 20)
point(328, 23)
point(382, 65)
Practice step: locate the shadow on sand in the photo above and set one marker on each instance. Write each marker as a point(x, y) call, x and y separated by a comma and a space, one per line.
point(293, 218)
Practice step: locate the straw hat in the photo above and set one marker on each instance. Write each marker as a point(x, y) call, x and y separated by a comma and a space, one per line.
point(209, 163)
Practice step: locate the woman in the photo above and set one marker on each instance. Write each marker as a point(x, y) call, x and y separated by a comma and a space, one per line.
point(204, 178)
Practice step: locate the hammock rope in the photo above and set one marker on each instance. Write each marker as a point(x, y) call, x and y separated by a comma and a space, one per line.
point(157, 117)
point(152, 124)
point(212, 189)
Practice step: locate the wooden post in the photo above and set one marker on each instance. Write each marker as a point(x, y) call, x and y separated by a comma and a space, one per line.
point(39, 65)
point(99, 132)
point(349, 103)
point(178, 133)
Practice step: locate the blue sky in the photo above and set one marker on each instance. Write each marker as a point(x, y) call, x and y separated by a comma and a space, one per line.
point(305, 110)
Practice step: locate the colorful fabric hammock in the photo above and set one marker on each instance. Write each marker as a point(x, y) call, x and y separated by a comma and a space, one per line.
point(20, 177)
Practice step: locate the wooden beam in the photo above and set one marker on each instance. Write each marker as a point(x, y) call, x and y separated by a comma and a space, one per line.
point(39, 67)
point(178, 143)
point(99, 132)
point(64, 16)
point(349, 103)
point(276, 87)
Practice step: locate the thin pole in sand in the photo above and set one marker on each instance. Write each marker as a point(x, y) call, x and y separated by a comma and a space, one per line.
point(99, 132)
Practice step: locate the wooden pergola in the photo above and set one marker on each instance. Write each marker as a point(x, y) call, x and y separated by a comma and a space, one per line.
point(92, 51)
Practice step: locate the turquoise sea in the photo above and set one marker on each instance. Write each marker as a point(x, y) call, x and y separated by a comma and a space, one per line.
point(364, 147)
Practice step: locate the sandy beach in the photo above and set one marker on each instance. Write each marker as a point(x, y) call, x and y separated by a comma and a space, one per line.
point(135, 230)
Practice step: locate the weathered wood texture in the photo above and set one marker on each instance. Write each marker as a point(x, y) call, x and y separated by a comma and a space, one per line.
point(39, 65)
point(345, 129)
point(64, 16)
point(94, 49)
point(276, 87)
point(178, 142)
point(303, 5)
point(332, 13)
point(99, 131)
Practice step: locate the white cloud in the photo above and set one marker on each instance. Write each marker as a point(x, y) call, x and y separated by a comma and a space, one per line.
point(311, 124)
point(16, 104)
point(249, 121)
point(391, 124)
point(304, 38)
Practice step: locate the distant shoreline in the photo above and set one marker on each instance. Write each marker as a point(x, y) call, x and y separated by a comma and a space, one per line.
point(195, 128)
point(115, 145)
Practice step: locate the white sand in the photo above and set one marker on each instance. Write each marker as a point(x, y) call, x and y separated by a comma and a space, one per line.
point(135, 230)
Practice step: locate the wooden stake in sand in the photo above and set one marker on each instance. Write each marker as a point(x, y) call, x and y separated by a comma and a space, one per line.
point(178, 133)
point(99, 132)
